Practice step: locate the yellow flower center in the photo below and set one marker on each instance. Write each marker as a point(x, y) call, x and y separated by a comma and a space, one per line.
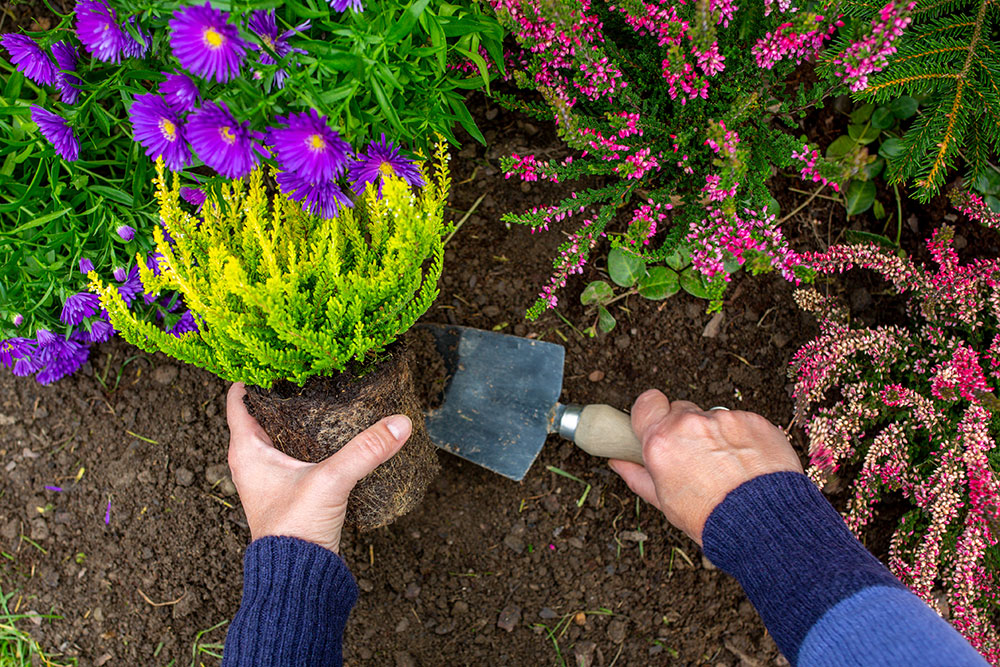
point(270, 44)
point(316, 142)
point(227, 135)
point(386, 169)
point(169, 129)
point(214, 38)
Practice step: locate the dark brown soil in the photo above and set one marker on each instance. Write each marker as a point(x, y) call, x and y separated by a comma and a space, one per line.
point(314, 421)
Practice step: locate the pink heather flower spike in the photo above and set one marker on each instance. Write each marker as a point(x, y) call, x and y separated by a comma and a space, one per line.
point(870, 54)
point(913, 405)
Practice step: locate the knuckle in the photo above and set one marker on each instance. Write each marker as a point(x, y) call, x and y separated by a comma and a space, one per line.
point(655, 444)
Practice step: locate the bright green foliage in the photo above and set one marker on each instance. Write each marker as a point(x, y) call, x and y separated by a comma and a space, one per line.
point(281, 294)
point(947, 59)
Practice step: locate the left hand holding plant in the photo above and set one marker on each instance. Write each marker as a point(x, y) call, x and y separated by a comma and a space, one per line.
point(283, 496)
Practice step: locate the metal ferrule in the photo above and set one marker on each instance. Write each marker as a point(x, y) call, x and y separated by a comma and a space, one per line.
point(568, 421)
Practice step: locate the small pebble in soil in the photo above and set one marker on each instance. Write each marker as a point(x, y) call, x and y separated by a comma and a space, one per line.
point(184, 477)
point(412, 591)
point(460, 608)
point(596, 376)
point(707, 564)
point(584, 653)
point(405, 660)
point(550, 503)
point(580, 619)
point(548, 614)
point(366, 585)
point(218, 476)
point(623, 341)
point(616, 631)
point(403, 625)
point(165, 374)
point(509, 618)
point(514, 543)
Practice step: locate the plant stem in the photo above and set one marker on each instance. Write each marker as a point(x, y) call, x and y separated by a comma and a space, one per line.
point(802, 205)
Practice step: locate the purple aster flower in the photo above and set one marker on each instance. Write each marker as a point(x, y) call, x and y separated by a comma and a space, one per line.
point(308, 147)
point(180, 92)
point(323, 199)
point(55, 128)
point(185, 324)
point(66, 79)
point(264, 25)
point(86, 266)
point(126, 232)
point(221, 142)
point(131, 285)
point(383, 160)
point(344, 5)
point(18, 320)
point(30, 59)
point(158, 128)
point(100, 331)
point(194, 196)
point(57, 357)
point(98, 29)
point(13, 349)
point(120, 274)
point(206, 44)
point(137, 48)
point(79, 307)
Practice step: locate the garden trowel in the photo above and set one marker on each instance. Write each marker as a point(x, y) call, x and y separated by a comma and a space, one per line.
point(502, 401)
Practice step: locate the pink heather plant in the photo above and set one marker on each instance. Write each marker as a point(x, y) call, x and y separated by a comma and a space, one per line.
point(911, 408)
point(643, 94)
point(871, 53)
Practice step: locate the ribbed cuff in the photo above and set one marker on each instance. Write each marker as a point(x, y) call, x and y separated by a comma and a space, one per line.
point(792, 553)
point(296, 600)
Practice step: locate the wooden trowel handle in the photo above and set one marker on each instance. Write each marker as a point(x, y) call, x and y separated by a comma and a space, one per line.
point(603, 431)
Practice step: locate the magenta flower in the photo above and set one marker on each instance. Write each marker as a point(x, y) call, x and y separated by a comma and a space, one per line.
point(18, 320)
point(308, 147)
point(383, 160)
point(29, 58)
point(55, 128)
point(264, 25)
point(86, 266)
point(323, 199)
point(221, 142)
point(79, 307)
point(159, 129)
point(180, 92)
point(67, 80)
point(344, 5)
point(206, 44)
point(98, 29)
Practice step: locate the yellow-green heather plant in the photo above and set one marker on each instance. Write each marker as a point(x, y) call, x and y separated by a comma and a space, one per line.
point(280, 294)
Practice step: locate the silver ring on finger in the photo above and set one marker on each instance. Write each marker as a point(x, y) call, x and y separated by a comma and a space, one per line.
point(719, 407)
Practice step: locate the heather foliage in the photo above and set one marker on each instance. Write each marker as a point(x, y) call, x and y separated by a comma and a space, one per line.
point(280, 294)
point(911, 410)
point(942, 53)
point(677, 106)
point(89, 104)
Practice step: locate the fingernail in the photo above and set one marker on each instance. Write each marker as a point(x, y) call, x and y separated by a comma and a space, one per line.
point(399, 426)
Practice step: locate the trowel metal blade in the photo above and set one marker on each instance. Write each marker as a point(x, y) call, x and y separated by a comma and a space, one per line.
point(499, 398)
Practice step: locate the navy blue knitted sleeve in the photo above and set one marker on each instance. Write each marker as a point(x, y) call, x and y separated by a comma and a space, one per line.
point(823, 597)
point(296, 600)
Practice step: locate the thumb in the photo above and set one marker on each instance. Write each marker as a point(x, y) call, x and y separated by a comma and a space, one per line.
point(368, 450)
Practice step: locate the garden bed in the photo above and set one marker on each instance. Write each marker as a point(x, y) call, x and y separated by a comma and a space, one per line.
point(485, 570)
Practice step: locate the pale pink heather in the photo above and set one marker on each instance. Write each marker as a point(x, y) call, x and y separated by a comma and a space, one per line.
point(913, 405)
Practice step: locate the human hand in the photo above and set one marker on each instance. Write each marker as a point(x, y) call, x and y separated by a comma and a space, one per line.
point(693, 458)
point(284, 496)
